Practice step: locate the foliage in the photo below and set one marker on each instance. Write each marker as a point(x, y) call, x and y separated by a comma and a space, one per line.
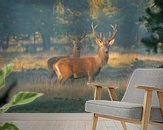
point(100, 6)
point(48, 17)
point(53, 18)
point(127, 18)
point(4, 72)
point(60, 9)
point(8, 126)
point(153, 22)
point(20, 98)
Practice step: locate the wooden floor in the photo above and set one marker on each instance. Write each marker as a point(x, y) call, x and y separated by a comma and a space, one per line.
point(57, 121)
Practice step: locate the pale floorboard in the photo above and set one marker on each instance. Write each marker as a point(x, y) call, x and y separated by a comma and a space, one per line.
point(57, 121)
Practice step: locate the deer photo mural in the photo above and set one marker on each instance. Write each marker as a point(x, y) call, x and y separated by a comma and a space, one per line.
point(86, 66)
point(56, 50)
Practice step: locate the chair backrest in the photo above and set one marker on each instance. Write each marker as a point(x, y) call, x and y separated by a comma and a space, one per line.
point(143, 77)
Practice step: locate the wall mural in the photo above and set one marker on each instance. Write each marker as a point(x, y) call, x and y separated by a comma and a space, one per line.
point(57, 46)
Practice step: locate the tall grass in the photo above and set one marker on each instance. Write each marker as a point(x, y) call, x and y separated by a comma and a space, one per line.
point(76, 89)
point(116, 60)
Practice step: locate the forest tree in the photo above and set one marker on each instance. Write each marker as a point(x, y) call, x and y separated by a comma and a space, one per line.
point(153, 22)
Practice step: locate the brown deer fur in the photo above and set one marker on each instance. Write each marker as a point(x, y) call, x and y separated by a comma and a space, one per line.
point(76, 42)
point(80, 67)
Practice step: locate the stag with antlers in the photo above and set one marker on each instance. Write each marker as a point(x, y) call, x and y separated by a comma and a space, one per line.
point(76, 42)
point(86, 66)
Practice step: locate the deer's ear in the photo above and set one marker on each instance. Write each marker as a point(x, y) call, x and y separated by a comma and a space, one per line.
point(111, 42)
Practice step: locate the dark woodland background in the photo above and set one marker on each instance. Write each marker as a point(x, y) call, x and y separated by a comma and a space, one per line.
point(32, 31)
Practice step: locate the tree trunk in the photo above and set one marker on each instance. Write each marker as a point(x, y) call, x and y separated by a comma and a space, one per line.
point(46, 41)
point(5, 43)
point(155, 49)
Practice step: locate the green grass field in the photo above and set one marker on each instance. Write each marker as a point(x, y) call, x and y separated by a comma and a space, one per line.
point(50, 104)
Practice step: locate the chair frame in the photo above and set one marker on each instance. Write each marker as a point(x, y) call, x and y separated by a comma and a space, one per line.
point(146, 106)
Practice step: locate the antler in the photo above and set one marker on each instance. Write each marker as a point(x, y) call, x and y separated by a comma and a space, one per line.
point(82, 37)
point(114, 28)
point(93, 30)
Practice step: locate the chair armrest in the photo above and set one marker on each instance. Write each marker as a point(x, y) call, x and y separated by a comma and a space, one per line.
point(148, 101)
point(148, 97)
point(148, 88)
point(95, 84)
point(98, 87)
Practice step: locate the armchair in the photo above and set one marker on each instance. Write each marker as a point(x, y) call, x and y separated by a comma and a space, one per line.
point(142, 102)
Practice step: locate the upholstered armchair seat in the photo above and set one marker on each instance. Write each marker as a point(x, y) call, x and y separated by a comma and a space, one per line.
point(126, 110)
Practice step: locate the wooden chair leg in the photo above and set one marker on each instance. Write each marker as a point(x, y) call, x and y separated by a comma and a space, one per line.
point(160, 98)
point(94, 122)
point(97, 96)
point(112, 94)
point(146, 109)
point(97, 93)
point(124, 125)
